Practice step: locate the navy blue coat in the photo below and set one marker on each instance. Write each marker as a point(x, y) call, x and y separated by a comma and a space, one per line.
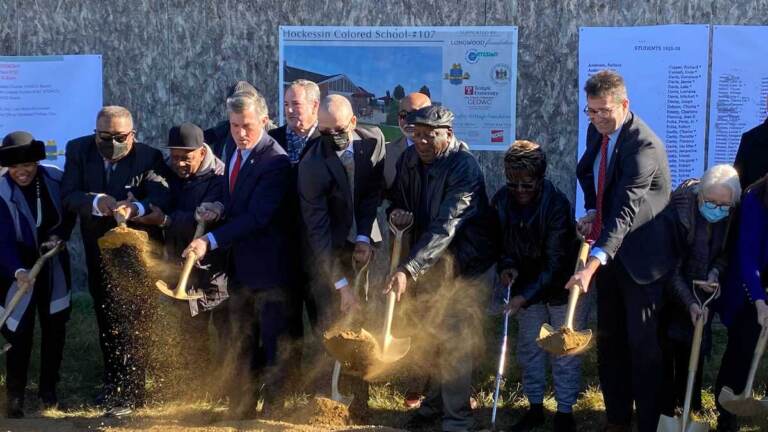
point(255, 227)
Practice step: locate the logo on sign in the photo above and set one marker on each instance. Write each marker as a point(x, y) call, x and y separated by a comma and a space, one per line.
point(456, 75)
point(473, 56)
point(469, 90)
point(497, 135)
point(500, 73)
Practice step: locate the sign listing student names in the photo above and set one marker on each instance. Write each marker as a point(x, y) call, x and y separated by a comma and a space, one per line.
point(665, 70)
point(471, 70)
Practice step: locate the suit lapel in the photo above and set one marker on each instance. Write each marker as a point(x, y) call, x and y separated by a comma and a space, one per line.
point(95, 169)
point(249, 165)
point(614, 154)
point(119, 179)
point(337, 170)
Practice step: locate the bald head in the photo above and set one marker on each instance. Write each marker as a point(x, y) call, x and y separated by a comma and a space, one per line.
point(409, 104)
point(336, 117)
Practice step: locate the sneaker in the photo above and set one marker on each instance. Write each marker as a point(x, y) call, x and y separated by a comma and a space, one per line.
point(532, 419)
point(564, 422)
point(119, 411)
point(15, 408)
point(412, 399)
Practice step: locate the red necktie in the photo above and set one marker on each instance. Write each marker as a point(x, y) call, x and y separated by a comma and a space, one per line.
point(235, 171)
point(597, 225)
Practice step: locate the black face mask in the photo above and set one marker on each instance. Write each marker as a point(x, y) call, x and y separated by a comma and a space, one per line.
point(338, 142)
point(112, 149)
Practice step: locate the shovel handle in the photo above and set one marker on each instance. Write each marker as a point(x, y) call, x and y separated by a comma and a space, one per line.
point(32, 274)
point(391, 296)
point(573, 299)
point(120, 217)
point(185, 271)
point(759, 350)
point(693, 365)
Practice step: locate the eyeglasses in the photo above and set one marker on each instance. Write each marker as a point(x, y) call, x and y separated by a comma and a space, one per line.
point(108, 136)
point(713, 205)
point(337, 131)
point(522, 186)
point(403, 114)
point(602, 112)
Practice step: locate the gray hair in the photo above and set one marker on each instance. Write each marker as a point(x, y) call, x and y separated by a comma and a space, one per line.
point(311, 90)
point(606, 83)
point(243, 101)
point(721, 175)
point(114, 111)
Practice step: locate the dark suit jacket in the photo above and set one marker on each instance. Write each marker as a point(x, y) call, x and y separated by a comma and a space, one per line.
point(637, 190)
point(254, 228)
point(84, 177)
point(752, 157)
point(326, 200)
point(394, 150)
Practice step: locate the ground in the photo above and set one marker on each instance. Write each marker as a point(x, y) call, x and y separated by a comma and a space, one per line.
point(82, 366)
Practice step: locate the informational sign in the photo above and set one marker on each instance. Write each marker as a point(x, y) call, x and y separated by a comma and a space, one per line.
point(55, 98)
point(739, 87)
point(665, 70)
point(471, 70)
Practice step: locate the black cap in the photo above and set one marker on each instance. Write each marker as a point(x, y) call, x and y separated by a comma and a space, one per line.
point(436, 116)
point(20, 147)
point(185, 136)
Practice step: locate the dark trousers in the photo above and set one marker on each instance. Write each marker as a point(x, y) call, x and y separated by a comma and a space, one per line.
point(53, 332)
point(102, 308)
point(256, 325)
point(628, 351)
point(299, 296)
point(734, 368)
point(676, 358)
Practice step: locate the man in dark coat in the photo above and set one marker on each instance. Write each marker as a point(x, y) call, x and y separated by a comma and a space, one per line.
point(195, 176)
point(624, 175)
point(440, 188)
point(752, 157)
point(102, 172)
point(255, 232)
point(300, 105)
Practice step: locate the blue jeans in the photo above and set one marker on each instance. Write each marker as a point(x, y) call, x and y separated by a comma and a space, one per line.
point(566, 370)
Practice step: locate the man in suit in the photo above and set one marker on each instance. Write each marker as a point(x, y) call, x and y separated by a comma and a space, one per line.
point(104, 172)
point(255, 231)
point(301, 102)
point(752, 157)
point(216, 137)
point(624, 175)
point(340, 187)
point(408, 104)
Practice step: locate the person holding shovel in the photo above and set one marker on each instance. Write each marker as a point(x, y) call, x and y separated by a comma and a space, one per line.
point(701, 213)
point(32, 221)
point(742, 306)
point(624, 174)
point(539, 248)
point(440, 189)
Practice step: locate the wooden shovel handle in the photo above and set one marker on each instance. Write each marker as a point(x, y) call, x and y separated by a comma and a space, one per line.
point(693, 365)
point(32, 274)
point(759, 350)
point(573, 299)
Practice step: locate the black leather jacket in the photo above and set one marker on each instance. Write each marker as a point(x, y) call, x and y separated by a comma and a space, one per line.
point(540, 244)
point(460, 219)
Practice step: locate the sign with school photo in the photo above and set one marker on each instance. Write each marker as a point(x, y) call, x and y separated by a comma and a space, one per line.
point(471, 70)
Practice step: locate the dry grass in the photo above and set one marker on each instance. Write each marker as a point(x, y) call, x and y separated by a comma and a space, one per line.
point(81, 380)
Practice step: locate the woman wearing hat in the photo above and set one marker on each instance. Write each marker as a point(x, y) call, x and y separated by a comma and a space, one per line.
point(31, 221)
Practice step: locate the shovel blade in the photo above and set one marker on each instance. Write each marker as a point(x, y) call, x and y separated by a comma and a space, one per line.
point(336, 395)
point(563, 341)
point(742, 405)
point(675, 424)
point(397, 349)
point(180, 295)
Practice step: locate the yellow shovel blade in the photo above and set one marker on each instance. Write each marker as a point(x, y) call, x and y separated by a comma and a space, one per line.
point(179, 295)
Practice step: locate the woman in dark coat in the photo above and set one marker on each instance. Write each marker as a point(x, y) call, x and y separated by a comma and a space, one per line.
point(31, 220)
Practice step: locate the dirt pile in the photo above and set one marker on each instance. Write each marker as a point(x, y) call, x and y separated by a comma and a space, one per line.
point(322, 412)
point(356, 350)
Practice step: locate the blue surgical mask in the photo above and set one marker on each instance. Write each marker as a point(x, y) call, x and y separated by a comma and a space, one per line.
point(713, 213)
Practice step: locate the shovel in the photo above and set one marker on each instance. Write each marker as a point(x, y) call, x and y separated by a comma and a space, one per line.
point(745, 404)
point(684, 423)
point(122, 235)
point(502, 359)
point(567, 341)
point(336, 395)
point(180, 293)
point(23, 290)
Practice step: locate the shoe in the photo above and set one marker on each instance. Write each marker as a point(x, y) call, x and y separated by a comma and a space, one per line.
point(418, 421)
point(532, 419)
point(610, 427)
point(48, 399)
point(412, 399)
point(119, 411)
point(564, 422)
point(15, 408)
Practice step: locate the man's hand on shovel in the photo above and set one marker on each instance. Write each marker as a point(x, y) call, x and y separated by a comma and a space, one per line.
point(398, 284)
point(583, 277)
point(349, 301)
point(199, 246)
point(23, 279)
point(697, 311)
